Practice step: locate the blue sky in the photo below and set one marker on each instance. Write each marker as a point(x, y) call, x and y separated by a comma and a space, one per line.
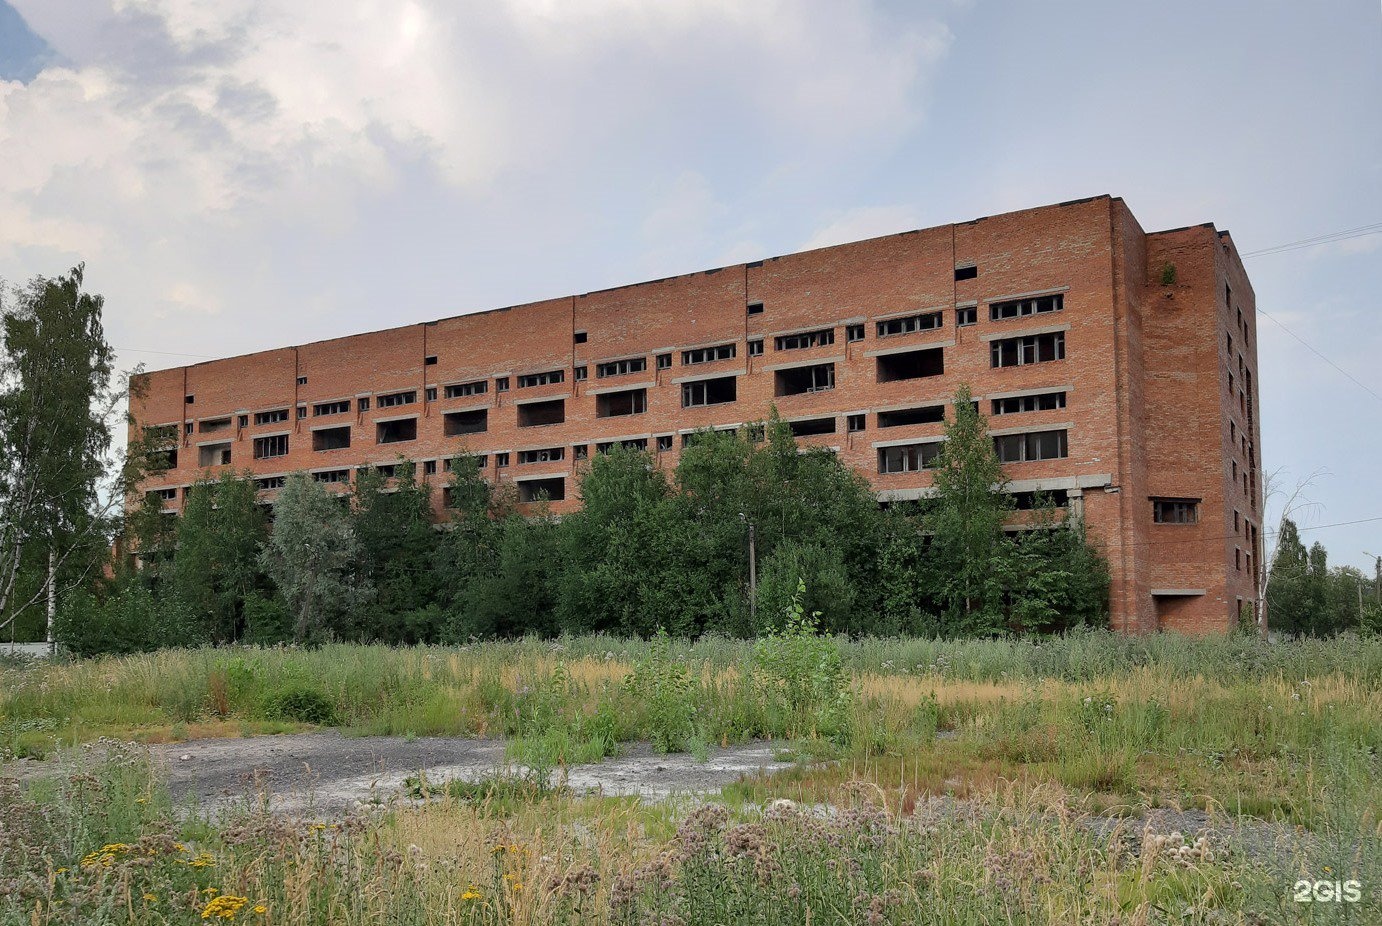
point(247, 174)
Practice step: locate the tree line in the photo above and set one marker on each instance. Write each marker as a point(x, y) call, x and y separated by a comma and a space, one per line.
point(1305, 596)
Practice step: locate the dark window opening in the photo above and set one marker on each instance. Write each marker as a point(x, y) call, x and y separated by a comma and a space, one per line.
point(1030, 447)
point(395, 399)
point(302, 412)
point(165, 495)
point(966, 273)
point(545, 378)
point(580, 374)
point(798, 380)
point(302, 381)
point(1030, 501)
point(189, 399)
point(267, 483)
point(429, 468)
point(330, 408)
point(664, 443)
point(926, 414)
point(805, 339)
point(756, 348)
point(812, 426)
point(857, 422)
point(633, 443)
point(1020, 308)
point(213, 454)
point(331, 438)
point(709, 392)
point(430, 361)
point(664, 361)
point(431, 393)
point(332, 475)
point(854, 333)
point(539, 490)
point(616, 404)
point(543, 455)
point(243, 421)
point(708, 354)
point(1178, 511)
point(501, 459)
point(392, 432)
point(621, 367)
point(927, 321)
point(1035, 348)
point(966, 315)
point(912, 364)
point(1042, 402)
point(471, 422)
point(501, 384)
point(364, 404)
point(755, 308)
point(537, 414)
point(908, 458)
point(461, 390)
point(580, 452)
point(580, 337)
point(213, 425)
point(273, 446)
point(277, 416)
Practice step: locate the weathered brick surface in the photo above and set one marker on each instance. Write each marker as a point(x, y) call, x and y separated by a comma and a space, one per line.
point(1149, 410)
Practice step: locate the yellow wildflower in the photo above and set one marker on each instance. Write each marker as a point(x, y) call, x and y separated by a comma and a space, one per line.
point(209, 891)
point(151, 898)
point(260, 909)
point(224, 907)
point(61, 870)
point(472, 893)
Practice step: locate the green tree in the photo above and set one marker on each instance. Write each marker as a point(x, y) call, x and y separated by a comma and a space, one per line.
point(1052, 577)
point(393, 521)
point(216, 563)
point(312, 556)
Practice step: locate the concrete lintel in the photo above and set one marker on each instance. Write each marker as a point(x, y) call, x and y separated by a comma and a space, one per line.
point(1032, 428)
point(540, 398)
point(1027, 295)
point(741, 371)
point(802, 364)
point(908, 348)
point(1177, 592)
point(1024, 332)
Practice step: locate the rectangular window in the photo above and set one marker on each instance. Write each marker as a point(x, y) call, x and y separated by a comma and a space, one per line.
point(621, 367)
point(968, 315)
point(1032, 446)
point(1180, 511)
point(1013, 405)
point(546, 378)
point(1034, 348)
point(545, 455)
point(925, 414)
point(709, 392)
point(927, 321)
point(302, 381)
point(912, 364)
point(966, 272)
point(1237, 521)
point(1021, 308)
point(501, 384)
point(542, 490)
point(243, 421)
point(909, 458)
point(797, 380)
point(331, 438)
point(431, 393)
point(857, 423)
point(395, 399)
point(277, 416)
point(429, 468)
point(756, 347)
point(616, 404)
point(213, 454)
point(580, 374)
point(189, 399)
point(708, 354)
point(267, 483)
point(538, 414)
point(1029, 501)
point(664, 443)
point(332, 475)
point(187, 427)
point(213, 425)
point(804, 340)
point(455, 424)
point(812, 426)
point(273, 446)
point(501, 459)
point(302, 412)
point(393, 432)
point(633, 443)
point(364, 404)
point(429, 361)
point(664, 361)
point(755, 308)
point(161, 434)
point(165, 495)
point(580, 337)
point(330, 408)
point(854, 333)
point(580, 452)
point(462, 390)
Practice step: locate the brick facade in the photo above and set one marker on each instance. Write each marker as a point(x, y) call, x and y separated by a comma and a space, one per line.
point(1158, 383)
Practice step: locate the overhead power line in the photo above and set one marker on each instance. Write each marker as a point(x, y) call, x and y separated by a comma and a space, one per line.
point(1362, 231)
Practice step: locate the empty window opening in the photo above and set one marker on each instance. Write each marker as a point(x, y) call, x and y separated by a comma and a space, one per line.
point(966, 272)
point(543, 455)
point(925, 414)
point(967, 315)
point(580, 452)
point(664, 361)
point(580, 337)
point(392, 432)
point(213, 454)
point(812, 426)
point(501, 459)
point(332, 475)
point(1042, 402)
point(429, 468)
point(214, 424)
point(302, 381)
point(395, 399)
point(1028, 501)
point(854, 333)
point(580, 374)
point(615, 404)
point(709, 392)
point(430, 361)
point(161, 434)
point(537, 414)
point(755, 308)
point(797, 380)
point(471, 422)
point(364, 404)
point(805, 339)
point(909, 458)
point(462, 390)
point(545, 378)
point(277, 416)
point(268, 483)
point(621, 367)
point(1021, 308)
point(331, 438)
point(664, 443)
point(912, 364)
point(165, 495)
point(387, 470)
point(632, 443)
point(756, 347)
point(431, 393)
point(1030, 447)
point(302, 412)
point(189, 399)
point(542, 490)
point(331, 408)
point(927, 321)
point(275, 445)
point(708, 354)
point(1034, 348)
point(187, 427)
point(501, 384)
point(857, 423)
point(242, 421)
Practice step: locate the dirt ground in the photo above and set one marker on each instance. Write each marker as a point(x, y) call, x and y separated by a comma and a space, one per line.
point(323, 774)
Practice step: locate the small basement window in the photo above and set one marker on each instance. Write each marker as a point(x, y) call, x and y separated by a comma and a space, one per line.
point(471, 422)
point(912, 364)
point(925, 414)
point(542, 490)
point(396, 431)
point(812, 426)
point(331, 438)
point(213, 454)
point(709, 392)
point(798, 380)
point(615, 404)
point(538, 414)
point(1177, 511)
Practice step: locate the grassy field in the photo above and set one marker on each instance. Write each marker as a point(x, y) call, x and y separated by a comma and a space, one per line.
point(973, 782)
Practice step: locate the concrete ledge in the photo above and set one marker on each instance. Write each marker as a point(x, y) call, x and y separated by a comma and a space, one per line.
point(1177, 592)
point(801, 364)
point(541, 398)
point(622, 387)
point(1019, 393)
point(1024, 332)
point(741, 371)
point(1031, 295)
point(908, 348)
point(1032, 428)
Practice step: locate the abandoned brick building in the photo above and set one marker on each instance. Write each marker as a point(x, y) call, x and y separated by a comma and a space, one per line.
point(1117, 368)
